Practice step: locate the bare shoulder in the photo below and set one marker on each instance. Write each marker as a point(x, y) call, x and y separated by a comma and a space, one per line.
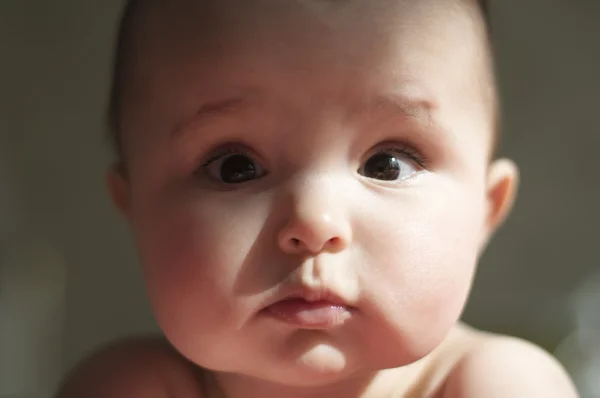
point(501, 366)
point(140, 367)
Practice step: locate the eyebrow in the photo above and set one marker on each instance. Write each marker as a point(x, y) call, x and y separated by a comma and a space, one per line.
point(211, 110)
point(419, 108)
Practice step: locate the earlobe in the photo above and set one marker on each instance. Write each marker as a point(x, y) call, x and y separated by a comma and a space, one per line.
point(119, 190)
point(501, 191)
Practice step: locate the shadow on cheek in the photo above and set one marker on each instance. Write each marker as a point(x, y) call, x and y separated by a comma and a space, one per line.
point(265, 266)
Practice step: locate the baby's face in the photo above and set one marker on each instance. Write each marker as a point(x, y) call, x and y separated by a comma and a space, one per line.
point(309, 149)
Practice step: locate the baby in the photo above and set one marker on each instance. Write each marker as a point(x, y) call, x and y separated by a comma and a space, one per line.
point(310, 184)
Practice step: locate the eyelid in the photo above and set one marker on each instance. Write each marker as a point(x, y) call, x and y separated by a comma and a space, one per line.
point(403, 149)
point(228, 150)
point(220, 154)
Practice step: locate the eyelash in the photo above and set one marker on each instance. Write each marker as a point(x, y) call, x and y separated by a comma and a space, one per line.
point(223, 152)
point(405, 150)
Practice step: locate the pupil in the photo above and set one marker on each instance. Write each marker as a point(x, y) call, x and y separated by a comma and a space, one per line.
point(383, 167)
point(236, 169)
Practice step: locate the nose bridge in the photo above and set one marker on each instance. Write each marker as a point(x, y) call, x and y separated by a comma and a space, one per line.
point(318, 198)
point(318, 217)
point(314, 193)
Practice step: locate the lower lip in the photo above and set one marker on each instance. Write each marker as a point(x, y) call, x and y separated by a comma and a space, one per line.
point(309, 314)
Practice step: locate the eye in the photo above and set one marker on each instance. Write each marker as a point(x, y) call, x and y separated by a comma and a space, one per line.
point(231, 166)
point(393, 164)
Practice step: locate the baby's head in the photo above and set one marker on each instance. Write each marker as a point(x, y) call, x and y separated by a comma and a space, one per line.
point(334, 152)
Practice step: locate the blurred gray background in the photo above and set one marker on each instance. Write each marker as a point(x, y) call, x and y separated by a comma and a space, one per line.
point(69, 279)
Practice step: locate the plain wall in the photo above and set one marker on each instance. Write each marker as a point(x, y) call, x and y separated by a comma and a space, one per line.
point(54, 75)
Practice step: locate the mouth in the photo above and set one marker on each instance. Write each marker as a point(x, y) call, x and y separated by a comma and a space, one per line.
point(311, 310)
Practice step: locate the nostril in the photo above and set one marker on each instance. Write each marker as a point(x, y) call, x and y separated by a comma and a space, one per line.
point(334, 241)
point(311, 244)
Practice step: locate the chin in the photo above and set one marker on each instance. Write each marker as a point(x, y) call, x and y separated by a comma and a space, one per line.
point(317, 365)
point(300, 375)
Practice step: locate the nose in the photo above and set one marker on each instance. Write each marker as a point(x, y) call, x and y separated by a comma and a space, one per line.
point(318, 222)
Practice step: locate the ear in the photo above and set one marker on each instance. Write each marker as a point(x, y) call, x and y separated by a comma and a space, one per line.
point(118, 187)
point(501, 191)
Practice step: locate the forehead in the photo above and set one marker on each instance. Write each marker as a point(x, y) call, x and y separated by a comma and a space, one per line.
point(362, 31)
point(185, 52)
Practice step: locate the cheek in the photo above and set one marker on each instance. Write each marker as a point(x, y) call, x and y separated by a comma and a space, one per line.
point(423, 263)
point(426, 238)
point(194, 258)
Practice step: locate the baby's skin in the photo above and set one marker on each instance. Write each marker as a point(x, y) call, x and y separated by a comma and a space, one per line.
point(310, 185)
